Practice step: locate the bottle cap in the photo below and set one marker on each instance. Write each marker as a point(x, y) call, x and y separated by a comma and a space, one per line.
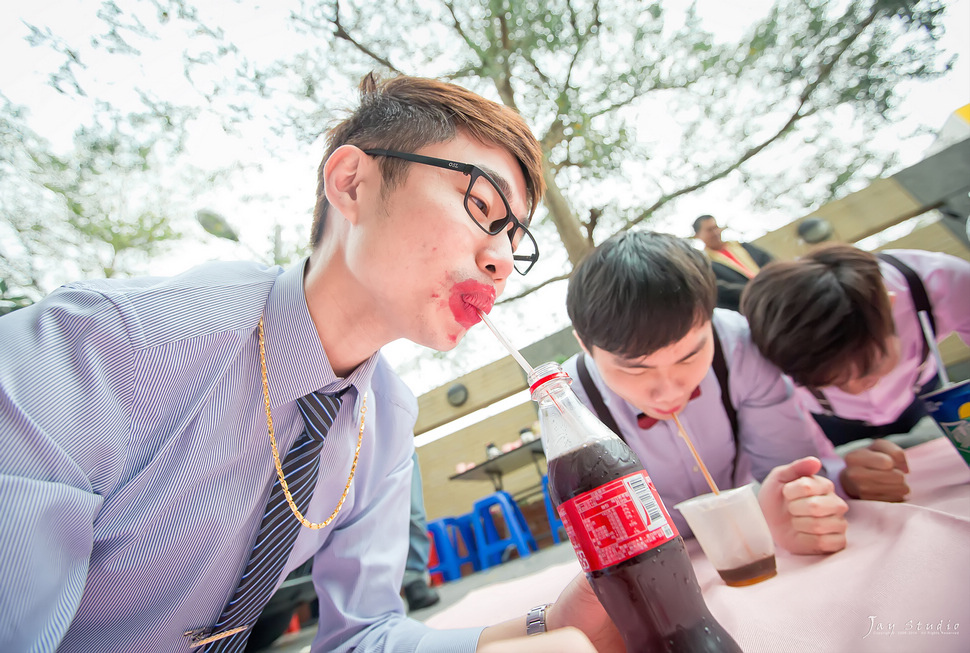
point(555, 375)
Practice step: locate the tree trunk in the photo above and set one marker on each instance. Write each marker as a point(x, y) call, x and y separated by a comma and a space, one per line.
point(568, 226)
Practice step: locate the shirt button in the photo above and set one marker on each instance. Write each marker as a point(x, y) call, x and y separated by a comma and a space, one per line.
point(696, 468)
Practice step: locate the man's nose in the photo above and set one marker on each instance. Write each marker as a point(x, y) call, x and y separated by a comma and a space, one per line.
point(663, 387)
point(495, 257)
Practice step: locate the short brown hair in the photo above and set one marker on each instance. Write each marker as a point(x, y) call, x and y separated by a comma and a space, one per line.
point(821, 316)
point(640, 291)
point(407, 113)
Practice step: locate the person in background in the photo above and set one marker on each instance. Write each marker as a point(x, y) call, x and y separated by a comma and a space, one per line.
point(734, 263)
point(844, 324)
point(146, 425)
point(416, 590)
point(655, 347)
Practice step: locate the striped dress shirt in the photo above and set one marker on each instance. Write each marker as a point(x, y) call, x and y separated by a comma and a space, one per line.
point(135, 466)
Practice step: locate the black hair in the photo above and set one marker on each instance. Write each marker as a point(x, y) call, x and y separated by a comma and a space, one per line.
point(640, 291)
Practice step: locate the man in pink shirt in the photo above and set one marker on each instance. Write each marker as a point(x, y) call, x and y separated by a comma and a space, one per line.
point(844, 324)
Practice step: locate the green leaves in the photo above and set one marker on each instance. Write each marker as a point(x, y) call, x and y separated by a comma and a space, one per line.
point(97, 210)
point(638, 104)
point(215, 224)
point(11, 300)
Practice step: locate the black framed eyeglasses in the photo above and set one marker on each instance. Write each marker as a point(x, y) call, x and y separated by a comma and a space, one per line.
point(485, 204)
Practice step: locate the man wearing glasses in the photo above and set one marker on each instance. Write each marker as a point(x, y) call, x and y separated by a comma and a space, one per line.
point(145, 423)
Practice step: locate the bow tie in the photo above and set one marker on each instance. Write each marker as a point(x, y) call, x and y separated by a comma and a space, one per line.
point(646, 422)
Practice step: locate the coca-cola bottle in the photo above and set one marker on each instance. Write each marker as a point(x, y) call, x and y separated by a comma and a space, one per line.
point(622, 534)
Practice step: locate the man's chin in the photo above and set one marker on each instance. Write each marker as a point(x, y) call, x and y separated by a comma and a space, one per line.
point(446, 342)
point(449, 346)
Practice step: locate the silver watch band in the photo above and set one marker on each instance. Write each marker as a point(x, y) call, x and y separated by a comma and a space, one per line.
point(535, 621)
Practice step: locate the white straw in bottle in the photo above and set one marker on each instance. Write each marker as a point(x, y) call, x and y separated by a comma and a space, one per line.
point(523, 363)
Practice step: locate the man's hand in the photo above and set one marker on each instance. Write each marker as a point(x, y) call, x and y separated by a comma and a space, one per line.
point(803, 512)
point(877, 472)
point(576, 622)
point(578, 607)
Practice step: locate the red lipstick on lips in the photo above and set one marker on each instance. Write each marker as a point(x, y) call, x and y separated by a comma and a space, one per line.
point(467, 298)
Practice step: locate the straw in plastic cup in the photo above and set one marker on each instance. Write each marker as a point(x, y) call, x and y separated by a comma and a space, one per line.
point(733, 533)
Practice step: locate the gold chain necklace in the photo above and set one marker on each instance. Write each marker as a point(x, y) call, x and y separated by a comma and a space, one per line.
point(276, 454)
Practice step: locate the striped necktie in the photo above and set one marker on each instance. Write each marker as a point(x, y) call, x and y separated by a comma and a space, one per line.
point(279, 527)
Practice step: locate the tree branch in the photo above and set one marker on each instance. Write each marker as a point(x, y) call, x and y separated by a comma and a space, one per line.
point(342, 33)
point(461, 32)
point(503, 81)
point(824, 72)
point(529, 291)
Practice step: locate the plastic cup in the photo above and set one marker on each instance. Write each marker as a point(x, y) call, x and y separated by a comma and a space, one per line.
point(733, 533)
point(950, 407)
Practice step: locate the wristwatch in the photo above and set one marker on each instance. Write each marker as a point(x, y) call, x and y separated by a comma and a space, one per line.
point(535, 621)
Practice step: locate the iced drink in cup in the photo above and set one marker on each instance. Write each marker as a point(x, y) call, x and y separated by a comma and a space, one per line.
point(950, 407)
point(733, 533)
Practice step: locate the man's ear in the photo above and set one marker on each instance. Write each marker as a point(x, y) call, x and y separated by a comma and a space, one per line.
point(346, 174)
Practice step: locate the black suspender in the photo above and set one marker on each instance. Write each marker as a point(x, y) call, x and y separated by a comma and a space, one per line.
point(822, 400)
point(917, 291)
point(595, 397)
point(720, 371)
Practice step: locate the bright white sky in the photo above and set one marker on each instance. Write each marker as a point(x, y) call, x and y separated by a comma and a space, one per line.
point(263, 32)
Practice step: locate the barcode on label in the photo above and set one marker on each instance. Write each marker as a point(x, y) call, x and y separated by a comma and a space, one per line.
point(654, 516)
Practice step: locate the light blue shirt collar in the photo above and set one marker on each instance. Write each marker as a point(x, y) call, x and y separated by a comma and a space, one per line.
point(296, 363)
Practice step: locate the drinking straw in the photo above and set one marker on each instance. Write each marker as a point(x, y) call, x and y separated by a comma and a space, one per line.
point(924, 319)
point(690, 445)
point(711, 483)
point(523, 363)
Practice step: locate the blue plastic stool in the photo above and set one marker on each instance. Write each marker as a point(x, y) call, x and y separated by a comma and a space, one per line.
point(491, 546)
point(555, 524)
point(464, 526)
point(446, 533)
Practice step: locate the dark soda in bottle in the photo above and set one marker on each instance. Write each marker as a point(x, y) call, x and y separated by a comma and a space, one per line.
point(626, 543)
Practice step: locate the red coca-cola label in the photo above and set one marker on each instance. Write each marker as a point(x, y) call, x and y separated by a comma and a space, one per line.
point(616, 521)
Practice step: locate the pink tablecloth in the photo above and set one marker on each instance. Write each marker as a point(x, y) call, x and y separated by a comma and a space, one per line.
point(901, 585)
